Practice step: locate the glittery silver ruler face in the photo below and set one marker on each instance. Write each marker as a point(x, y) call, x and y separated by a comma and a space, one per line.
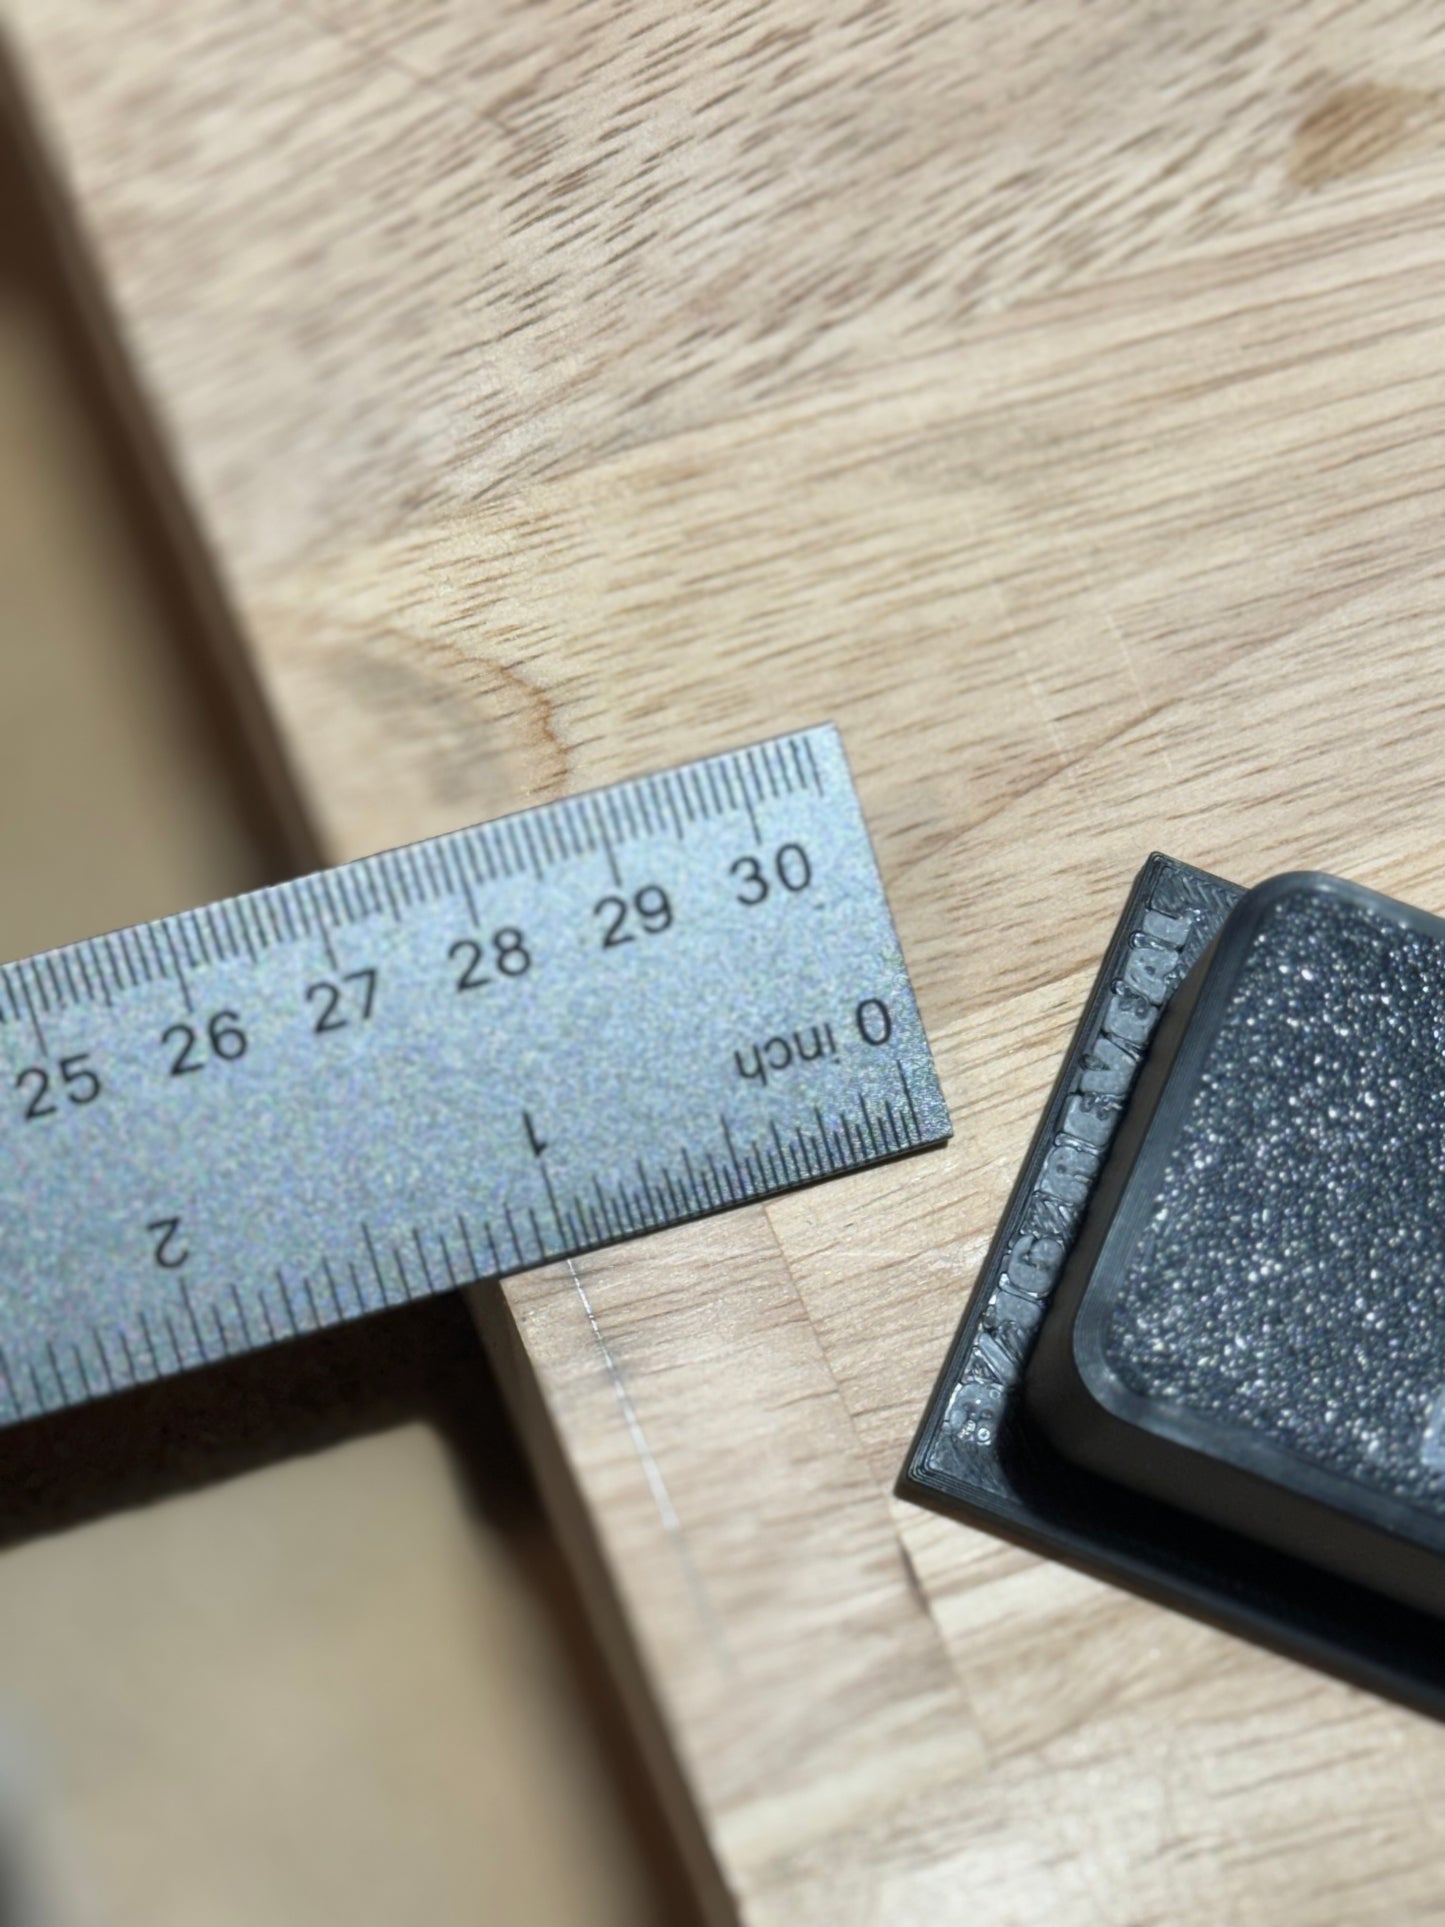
point(448, 1062)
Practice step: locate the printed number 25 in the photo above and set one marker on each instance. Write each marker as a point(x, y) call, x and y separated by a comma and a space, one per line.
point(82, 1086)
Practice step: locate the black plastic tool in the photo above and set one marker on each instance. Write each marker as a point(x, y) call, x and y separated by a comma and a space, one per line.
point(1207, 1351)
point(1251, 1323)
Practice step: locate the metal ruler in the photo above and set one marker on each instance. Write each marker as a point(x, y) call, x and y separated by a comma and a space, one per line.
point(448, 1062)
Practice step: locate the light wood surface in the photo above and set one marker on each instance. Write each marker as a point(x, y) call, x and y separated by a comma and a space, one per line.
point(1053, 397)
point(349, 1686)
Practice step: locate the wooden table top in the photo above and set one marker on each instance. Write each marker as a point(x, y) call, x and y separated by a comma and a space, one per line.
point(1052, 396)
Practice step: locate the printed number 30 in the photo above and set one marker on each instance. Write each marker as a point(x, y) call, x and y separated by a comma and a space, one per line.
point(790, 868)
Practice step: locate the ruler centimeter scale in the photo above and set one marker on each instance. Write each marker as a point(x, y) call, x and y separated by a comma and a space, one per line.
point(448, 1062)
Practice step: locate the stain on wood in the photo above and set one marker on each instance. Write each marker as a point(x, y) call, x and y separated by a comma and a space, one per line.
point(1361, 127)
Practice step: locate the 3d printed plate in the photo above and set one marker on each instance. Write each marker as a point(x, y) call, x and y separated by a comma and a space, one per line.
point(980, 1454)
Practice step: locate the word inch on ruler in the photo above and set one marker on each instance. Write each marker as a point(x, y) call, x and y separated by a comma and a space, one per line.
point(445, 1063)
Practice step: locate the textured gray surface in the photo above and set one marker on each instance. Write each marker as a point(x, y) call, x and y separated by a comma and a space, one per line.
point(1290, 1280)
point(1172, 914)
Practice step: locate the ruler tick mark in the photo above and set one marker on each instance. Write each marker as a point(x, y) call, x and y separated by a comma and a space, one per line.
point(9, 1380)
point(252, 928)
point(330, 1277)
point(99, 1343)
point(329, 902)
point(316, 1319)
point(108, 951)
point(241, 1314)
point(421, 1254)
point(767, 763)
point(181, 980)
point(87, 1388)
point(55, 985)
point(674, 1205)
point(411, 875)
point(150, 1344)
point(562, 1231)
point(477, 1274)
point(195, 1323)
point(908, 1098)
point(221, 1338)
point(579, 835)
point(624, 809)
point(606, 841)
point(737, 1163)
point(550, 856)
point(687, 809)
point(375, 1261)
point(479, 840)
point(433, 862)
point(750, 764)
point(224, 946)
point(602, 1206)
point(286, 1305)
point(178, 1354)
point(318, 911)
point(72, 989)
point(30, 1012)
point(648, 1203)
point(512, 1232)
point(693, 1193)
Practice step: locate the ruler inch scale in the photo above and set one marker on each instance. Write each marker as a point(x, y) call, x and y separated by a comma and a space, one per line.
point(466, 1057)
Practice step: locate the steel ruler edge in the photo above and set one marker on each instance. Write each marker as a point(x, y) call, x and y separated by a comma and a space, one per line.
point(447, 1062)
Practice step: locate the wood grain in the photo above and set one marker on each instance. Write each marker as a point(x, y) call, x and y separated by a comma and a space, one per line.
point(1052, 397)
